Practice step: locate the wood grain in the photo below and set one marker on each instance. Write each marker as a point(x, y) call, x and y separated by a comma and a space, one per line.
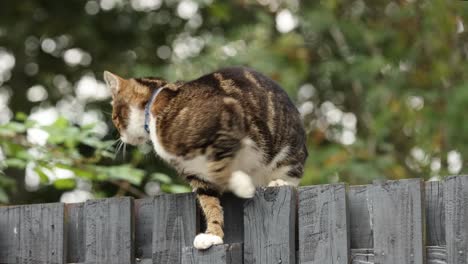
point(221, 254)
point(269, 226)
point(359, 218)
point(397, 220)
point(109, 231)
point(456, 219)
point(323, 224)
point(174, 226)
point(32, 234)
point(75, 232)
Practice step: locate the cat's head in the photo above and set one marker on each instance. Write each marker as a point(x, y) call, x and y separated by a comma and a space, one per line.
point(129, 98)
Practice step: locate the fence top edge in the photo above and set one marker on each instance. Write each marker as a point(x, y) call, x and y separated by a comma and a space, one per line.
point(453, 177)
point(258, 189)
point(12, 206)
point(338, 184)
point(110, 199)
point(404, 181)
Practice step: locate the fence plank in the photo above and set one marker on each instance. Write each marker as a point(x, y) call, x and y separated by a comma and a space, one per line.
point(221, 254)
point(233, 218)
point(323, 224)
point(269, 226)
point(435, 213)
point(32, 234)
point(397, 217)
point(109, 231)
point(359, 219)
point(456, 219)
point(9, 234)
point(174, 226)
point(75, 232)
point(144, 228)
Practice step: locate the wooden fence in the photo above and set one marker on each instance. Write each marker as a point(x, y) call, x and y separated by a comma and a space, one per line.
point(407, 221)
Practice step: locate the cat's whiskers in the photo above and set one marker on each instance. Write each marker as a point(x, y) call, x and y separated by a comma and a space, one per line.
point(119, 147)
point(112, 146)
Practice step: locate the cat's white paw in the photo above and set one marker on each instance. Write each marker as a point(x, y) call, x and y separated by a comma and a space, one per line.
point(204, 241)
point(241, 185)
point(278, 182)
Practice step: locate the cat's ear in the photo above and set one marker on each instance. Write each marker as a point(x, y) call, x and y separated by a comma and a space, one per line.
point(113, 81)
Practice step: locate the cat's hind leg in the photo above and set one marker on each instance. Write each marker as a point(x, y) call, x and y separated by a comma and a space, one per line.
point(286, 176)
point(208, 199)
point(279, 182)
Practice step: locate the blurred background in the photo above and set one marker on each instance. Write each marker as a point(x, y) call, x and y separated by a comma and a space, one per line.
point(382, 86)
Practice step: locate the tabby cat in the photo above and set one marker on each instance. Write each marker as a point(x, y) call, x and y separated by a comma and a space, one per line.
point(230, 130)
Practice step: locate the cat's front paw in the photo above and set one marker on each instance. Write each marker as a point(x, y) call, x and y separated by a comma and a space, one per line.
point(241, 185)
point(278, 182)
point(204, 241)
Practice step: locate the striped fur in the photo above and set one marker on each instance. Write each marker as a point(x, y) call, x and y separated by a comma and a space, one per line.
point(230, 130)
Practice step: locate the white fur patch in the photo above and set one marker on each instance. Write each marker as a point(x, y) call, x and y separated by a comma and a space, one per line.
point(241, 184)
point(156, 143)
point(248, 167)
point(204, 241)
point(135, 133)
point(278, 182)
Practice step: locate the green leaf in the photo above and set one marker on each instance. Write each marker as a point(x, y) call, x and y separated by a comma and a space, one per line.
point(21, 116)
point(12, 128)
point(161, 177)
point(15, 163)
point(123, 172)
point(61, 122)
point(179, 188)
point(65, 184)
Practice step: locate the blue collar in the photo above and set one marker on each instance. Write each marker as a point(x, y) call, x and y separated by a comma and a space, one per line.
point(148, 106)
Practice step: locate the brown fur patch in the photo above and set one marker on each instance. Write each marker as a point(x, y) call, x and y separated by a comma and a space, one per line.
point(227, 85)
point(210, 206)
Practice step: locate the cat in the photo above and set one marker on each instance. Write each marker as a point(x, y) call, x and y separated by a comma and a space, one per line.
point(230, 130)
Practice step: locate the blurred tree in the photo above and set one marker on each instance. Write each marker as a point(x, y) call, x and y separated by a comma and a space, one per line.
point(381, 85)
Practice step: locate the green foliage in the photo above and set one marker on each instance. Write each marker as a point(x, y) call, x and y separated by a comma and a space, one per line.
point(381, 84)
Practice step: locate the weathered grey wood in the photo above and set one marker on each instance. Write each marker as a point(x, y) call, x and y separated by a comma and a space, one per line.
point(221, 254)
point(323, 224)
point(269, 226)
point(456, 219)
point(109, 231)
point(144, 261)
point(362, 256)
point(75, 232)
point(233, 208)
point(435, 213)
point(174, 226)
point(436, 255)
point(9, 234)
point(144, 228)
point(397, 218)
point(359, 219)
point(32, 234)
